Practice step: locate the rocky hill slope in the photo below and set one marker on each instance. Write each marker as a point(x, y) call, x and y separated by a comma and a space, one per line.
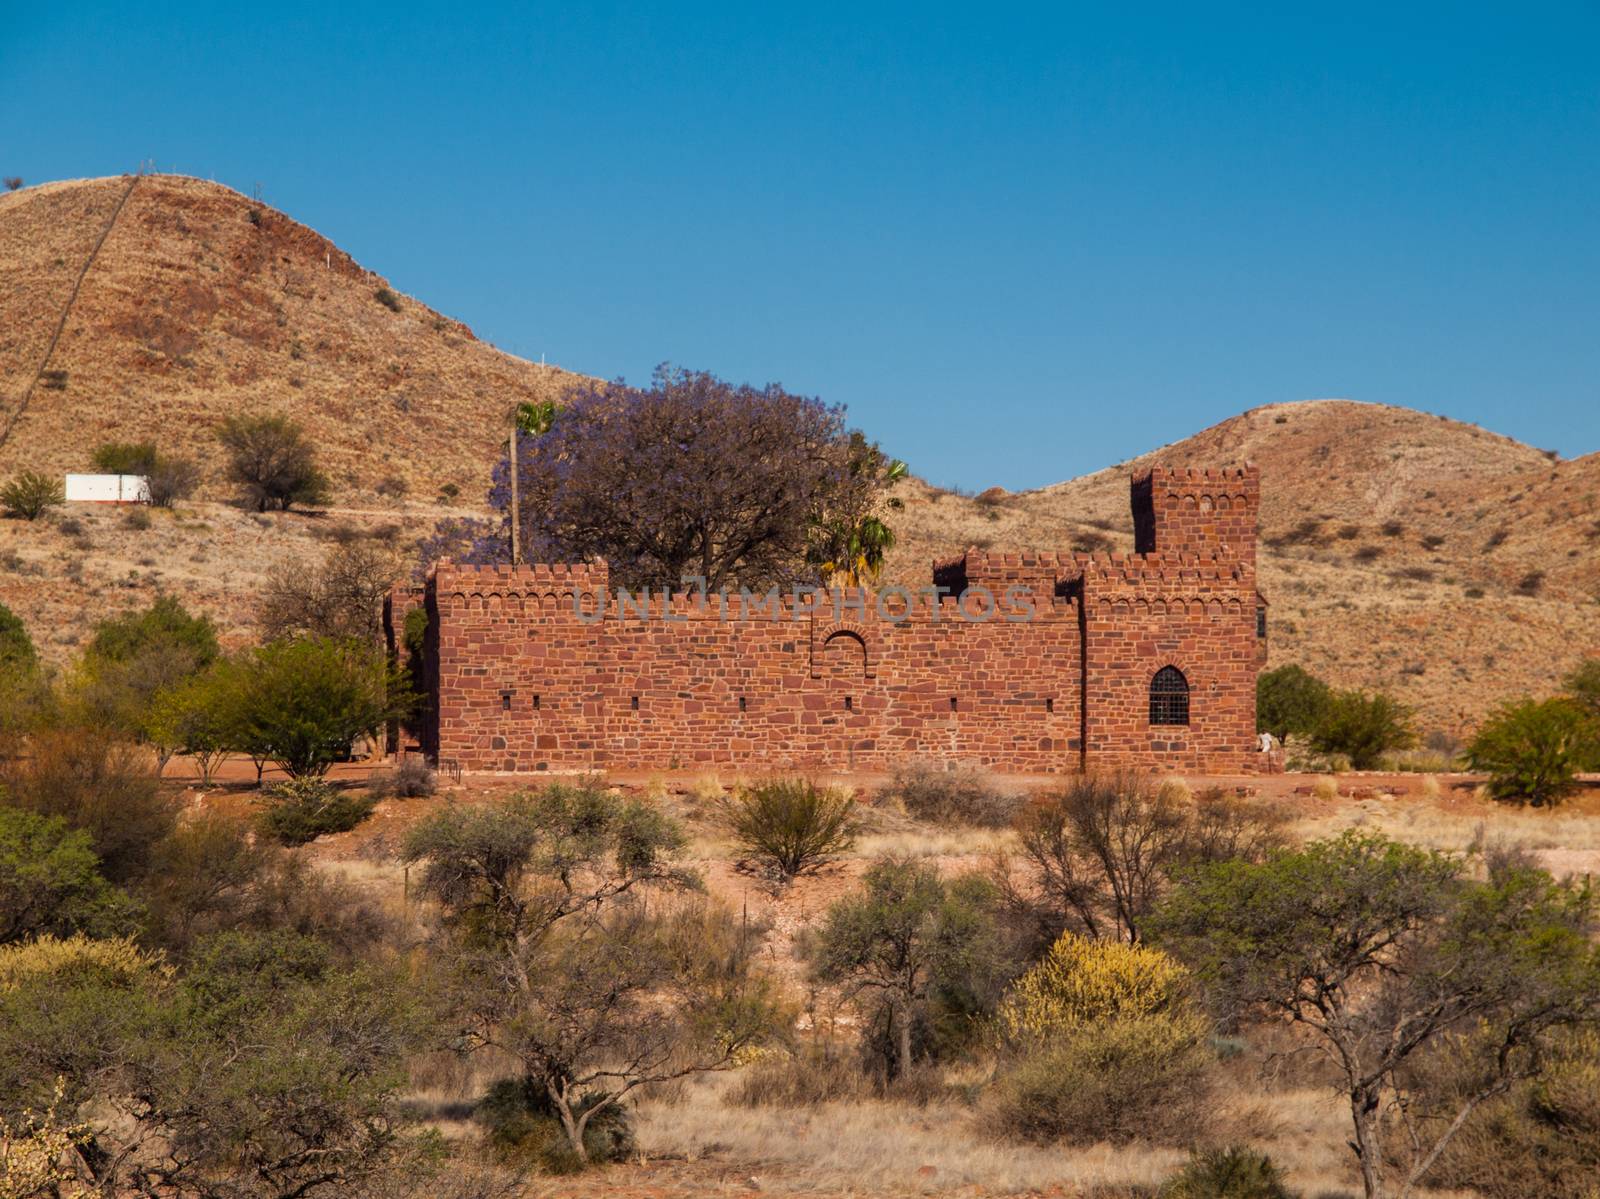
point(150, 307)
point(1400, 550)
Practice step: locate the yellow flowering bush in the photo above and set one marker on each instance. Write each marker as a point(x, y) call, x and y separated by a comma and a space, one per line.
point(1082, 982)
point(116, 957)
point(1104, 1044)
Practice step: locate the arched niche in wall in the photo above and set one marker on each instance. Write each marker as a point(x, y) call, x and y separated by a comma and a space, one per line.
point(840, 651)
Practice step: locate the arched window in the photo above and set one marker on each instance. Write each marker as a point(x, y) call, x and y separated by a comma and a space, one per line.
point(1169, 697)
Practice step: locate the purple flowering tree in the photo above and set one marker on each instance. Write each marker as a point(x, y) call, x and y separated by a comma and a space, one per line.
point(689, 477)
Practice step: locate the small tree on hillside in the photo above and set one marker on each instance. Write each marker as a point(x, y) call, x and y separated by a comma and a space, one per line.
point(1363, 727)
point(559, 962)
point(1532, 751)
point(167, 478)
point(302, 703)
point(341, 597)
point(126, 457)
point(272, 462)
point(30, 495)
point(1289, 700)
point(1379, 951)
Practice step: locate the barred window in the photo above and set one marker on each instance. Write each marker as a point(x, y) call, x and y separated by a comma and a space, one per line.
point(1169, 697)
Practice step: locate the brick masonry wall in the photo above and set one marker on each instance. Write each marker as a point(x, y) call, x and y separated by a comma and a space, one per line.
point(525, 674)
point(526, 683)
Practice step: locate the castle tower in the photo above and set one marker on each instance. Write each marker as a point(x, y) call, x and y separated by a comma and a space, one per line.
point(1209, 512)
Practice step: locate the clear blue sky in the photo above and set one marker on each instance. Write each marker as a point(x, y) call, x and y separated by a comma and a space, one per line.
point(1018, 243)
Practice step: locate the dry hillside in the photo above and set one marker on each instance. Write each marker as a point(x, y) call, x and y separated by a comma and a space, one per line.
point(1401, 550)
point(179, 301)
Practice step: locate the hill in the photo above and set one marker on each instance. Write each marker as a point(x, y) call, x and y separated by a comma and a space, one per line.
point(150, 307)
point(1400, 550)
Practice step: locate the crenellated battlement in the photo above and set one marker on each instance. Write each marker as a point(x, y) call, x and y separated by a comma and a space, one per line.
point(1197, 510)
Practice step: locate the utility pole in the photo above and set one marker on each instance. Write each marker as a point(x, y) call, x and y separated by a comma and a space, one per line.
point(516, 508)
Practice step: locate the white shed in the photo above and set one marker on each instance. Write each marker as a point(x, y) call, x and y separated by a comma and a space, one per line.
point(108, 489)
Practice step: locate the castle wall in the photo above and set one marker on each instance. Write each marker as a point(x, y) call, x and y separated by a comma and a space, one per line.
point(527, 684)
point(523, 672)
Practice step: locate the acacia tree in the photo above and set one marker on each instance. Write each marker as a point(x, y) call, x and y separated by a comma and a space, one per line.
point(301, 703)
point(1532, 750)
point(340, 597)
point(137, 655)
point(265, 1070)
point(908, 933)
point(272, 462)
point(1098, 853)
point(1381, 951)
point(689, 477)
point(559, 961)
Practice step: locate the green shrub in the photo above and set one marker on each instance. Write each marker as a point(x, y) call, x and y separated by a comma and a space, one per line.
point(133, 657)
point(1234, 1172)
point(524, 1129)
point(1141, 1079)
point(30, 495)
point(166, 623)
point(301, 703)
point(126, 457)
point(1364, 727)
point(1583, 687)
point(791, 825)
point(1290, 700)
point(303, 809)
point(1532, 750)
point(272, 462)
point(387, 298)
point(50, 881)
point(964, 796)
point(16, 647)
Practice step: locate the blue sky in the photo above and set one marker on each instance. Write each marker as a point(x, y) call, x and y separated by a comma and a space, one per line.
point(1020, 243)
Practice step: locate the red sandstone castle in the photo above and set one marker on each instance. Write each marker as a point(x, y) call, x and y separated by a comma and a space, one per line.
point(1019, 662)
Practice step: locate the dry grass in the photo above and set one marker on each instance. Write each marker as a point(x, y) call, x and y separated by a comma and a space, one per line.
point(1465, 822)
point(879, 1148)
